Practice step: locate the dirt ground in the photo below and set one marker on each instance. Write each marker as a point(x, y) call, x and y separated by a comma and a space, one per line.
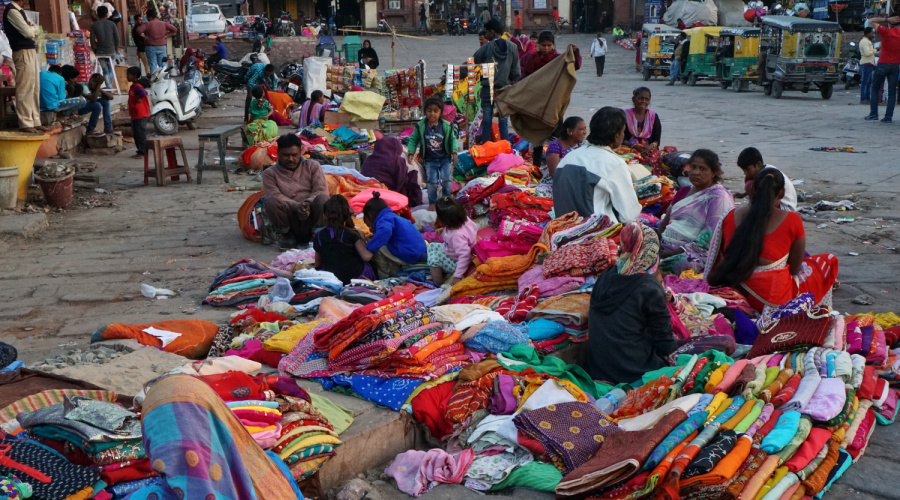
point(85, 271)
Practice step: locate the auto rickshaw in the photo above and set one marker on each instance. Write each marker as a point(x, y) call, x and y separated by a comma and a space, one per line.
point(702, 45)
point(737, 57)
point(657, 48)
point(798, 53)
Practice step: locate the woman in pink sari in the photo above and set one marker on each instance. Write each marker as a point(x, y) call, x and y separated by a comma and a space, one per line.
point(642, 126)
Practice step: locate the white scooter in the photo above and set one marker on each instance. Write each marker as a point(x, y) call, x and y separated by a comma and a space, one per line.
point(172, 103)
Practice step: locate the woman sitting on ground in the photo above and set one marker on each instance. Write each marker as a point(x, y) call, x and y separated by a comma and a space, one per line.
point(594, 179)
point(261, 127)
point(643, 129)
point(340, 248)
point(313, 111)
point(574, 130)
point(629, 321)
point(763, 248)
point(368, 56)
point(388, 166)
point(696, 211)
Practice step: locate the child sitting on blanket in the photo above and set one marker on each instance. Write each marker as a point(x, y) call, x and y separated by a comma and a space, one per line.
point(339, 246)
point(396, 242)
point(455, 254)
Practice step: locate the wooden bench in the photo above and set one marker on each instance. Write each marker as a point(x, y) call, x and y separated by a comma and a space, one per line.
point(220, 136)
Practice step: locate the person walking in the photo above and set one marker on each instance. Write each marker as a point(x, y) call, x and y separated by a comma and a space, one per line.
point(888, 67)
point(140, 43)
point(155, 33)
point(598, 52)
point(506, 56)
point(518, 23)
point(675, 66)
point(21, 34)
point(423, 20)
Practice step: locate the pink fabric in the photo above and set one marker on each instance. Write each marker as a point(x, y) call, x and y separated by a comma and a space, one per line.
point(730, 376)
point(395, 201)
point(267, 439)
point(723, 326)
point(877, 354)
point(854, 338)
point(418, 471)
point(504, 162)
point(249, 349)
point(678, 327)
point(828, 400)
point(458, 244)
point(549, 287)
point(685, 285)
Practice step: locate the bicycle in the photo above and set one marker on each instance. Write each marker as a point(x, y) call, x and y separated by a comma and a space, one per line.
point(557, 26)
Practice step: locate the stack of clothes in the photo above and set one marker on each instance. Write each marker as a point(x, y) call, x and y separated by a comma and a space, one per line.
point(307, 438)
point(243, 282)
point(104, 437)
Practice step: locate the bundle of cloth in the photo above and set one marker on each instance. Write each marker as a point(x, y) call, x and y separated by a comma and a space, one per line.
point(99, 441)
point(243, 282)
point(191, 338)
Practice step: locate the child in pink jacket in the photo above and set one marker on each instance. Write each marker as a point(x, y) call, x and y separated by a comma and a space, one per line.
point(455, 254)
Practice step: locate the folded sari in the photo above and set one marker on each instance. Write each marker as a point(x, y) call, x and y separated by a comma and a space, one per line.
point(725, 469)
point(740, 415)
point(764, 415)
point(787, 392)
point(828, 400)
point(807, 451)
point(816, 481)
point(805, 391)
point(711, 454)
point(620, 456)
point(770, 390)
point(689, 426)
point(662, 468)
point(781, 435)
point(758, 382)
point(760, 478)
point(751, 417)
point(750, 467)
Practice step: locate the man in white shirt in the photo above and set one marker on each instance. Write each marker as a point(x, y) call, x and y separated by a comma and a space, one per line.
point(866, 65)
point(595, 180)
point(751, 162)
point(598, 52)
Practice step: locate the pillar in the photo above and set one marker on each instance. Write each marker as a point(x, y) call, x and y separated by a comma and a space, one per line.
point(54, 15)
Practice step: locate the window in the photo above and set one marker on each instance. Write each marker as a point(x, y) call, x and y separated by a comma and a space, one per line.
point(394, 4)
point(204, 9)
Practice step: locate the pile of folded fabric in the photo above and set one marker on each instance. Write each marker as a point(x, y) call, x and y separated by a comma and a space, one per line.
point(243, 282)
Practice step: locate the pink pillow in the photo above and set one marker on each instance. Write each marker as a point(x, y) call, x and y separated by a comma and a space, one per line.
point(395, 201)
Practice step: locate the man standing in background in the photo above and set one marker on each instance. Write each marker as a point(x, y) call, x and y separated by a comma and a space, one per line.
point(21, 34)
point(866, 65)
point(598, 52)
point(155, 33)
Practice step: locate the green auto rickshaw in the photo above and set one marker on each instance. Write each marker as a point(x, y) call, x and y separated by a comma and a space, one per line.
point(737, 58)
point(702, 46)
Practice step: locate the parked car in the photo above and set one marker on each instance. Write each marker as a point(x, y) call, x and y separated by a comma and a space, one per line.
point(207, 18)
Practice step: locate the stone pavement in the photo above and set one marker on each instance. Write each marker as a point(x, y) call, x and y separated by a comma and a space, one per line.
point(85, 270)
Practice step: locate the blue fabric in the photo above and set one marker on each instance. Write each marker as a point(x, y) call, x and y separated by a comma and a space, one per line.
point(389, 392)
point(498, 336)
point(345, 135)
point(745, 330)
point(53, 90)
point(845, 460)
point(255, 73)
point(782, 433)
point(701, 405)
point(399, 235)
point(15, 365)
point(543, 329)
point(284, 470)
point(141, 489)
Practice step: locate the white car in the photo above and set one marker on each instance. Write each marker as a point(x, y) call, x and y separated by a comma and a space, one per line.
point(207, 18)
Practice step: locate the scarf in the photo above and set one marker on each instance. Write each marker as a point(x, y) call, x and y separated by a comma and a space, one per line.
point(646, 127)
point(639, 250)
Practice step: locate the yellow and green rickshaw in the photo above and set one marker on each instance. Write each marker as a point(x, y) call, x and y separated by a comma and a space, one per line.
point(738, 55)
point(702, 46)
point(656, 49)
point(797, 53)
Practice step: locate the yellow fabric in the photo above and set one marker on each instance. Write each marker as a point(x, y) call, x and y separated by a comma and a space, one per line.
point(310, 441)
point(691, 275)
point(724, 406)
point(252, 429)
point(779, 475)
point(715, 377)
point(716, 402)
point(271, 411)
point(287, 438)
point(363, 105)
point(884, 320)
point(81, 494)
point(285, 340)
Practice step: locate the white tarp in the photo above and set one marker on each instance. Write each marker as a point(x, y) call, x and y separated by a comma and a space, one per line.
point(315, 74)
point(691, 11)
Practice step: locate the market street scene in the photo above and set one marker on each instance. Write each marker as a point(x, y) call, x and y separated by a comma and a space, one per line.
point(393, 249)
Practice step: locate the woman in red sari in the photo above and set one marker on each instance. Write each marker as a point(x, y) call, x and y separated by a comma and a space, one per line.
point(763, 248)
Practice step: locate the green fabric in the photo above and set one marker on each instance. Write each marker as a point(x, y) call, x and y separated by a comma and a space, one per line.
point(751, 417)
point(669, 371)
point(339, 417)
point(716, 359)
point(771, 374)
point(536, 475)
point(522, 357)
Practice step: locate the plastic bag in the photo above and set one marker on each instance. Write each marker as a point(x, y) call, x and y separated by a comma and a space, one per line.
point(281, 291)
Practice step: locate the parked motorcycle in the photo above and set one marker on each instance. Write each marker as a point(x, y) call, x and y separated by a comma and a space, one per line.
point(851, 73)
point(474, 25)
point(231, 75)
point(286, 25)
point(291, 82)
point(455, 27)
point(205, 84)
point(172, 103)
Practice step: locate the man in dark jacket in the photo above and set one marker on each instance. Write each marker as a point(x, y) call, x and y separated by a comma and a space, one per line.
point(629, 323)
point(506, 71)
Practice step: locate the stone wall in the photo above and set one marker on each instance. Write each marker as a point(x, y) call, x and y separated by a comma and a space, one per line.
point(283, 49)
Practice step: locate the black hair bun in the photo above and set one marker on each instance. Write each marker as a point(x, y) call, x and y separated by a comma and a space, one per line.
point(376, 194)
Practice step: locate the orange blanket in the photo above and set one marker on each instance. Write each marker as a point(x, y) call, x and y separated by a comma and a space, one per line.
point(194, 342)
point(349, 186)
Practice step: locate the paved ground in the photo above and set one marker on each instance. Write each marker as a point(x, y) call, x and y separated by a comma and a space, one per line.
point(86, 269)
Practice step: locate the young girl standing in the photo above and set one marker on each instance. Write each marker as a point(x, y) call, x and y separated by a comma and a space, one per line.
point(438, 141)
point(455, 254)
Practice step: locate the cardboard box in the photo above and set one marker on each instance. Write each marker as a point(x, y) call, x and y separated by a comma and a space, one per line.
point(339, 118)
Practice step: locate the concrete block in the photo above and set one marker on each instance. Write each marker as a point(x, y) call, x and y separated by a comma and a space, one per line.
point(103, 141)
point(71, 138)
point(27, 225)
point(375, 438)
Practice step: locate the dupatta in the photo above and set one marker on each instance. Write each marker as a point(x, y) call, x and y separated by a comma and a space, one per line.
point(646, 129)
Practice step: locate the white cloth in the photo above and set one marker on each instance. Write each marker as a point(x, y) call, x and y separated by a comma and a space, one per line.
point(477, 317)
point(165, 336)
point(789, 202)
point(598, 47)
point(594, 179)
point(649, 419)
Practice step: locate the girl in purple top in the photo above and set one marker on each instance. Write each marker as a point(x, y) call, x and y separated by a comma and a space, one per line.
point(574, 130)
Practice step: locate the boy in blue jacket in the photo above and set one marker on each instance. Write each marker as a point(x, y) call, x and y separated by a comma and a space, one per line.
point(396, 242)
point(438, 141)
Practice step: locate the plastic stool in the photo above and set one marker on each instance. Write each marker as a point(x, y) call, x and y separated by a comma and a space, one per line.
point(168, 146)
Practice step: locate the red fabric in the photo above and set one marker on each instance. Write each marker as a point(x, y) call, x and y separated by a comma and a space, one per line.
point(892, 335)
point(233, 385)
point(269, 358)
point(430, 408)
point(138, 102)
point(776, 244)
point(138, 470)
point(869, 383)
point(793, 332)
point(770, 424)
point(531, 444)
point(787, 392)
point(258, 316)
point(809, 449)
point(890, 45)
